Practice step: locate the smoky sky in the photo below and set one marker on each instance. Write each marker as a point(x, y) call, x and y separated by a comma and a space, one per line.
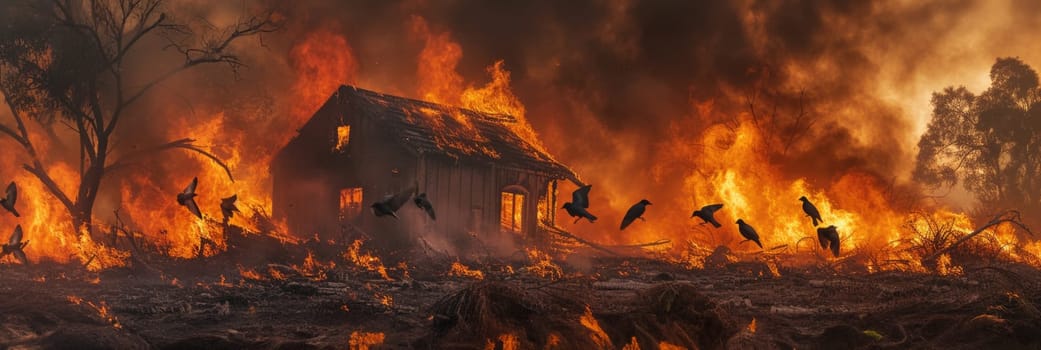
point(608, 84)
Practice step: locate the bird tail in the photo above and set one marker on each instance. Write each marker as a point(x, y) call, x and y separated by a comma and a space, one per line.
point(814, 221)
point(757, 242)
point(15, 212)
point(716, 224)
point(591, 217)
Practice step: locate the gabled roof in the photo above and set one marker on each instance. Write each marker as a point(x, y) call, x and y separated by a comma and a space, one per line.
point(429, 128)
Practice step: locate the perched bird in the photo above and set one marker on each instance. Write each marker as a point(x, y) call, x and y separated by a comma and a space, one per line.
point(811, 210)
point(228, 208)
point(635, 212)
point(748, 232)
point(579, 203)
point(187, 198)
point(829, 238)
point(390, 204)
point(707, 213)
point(15, 245)
point(423, 203)
point(8, 200)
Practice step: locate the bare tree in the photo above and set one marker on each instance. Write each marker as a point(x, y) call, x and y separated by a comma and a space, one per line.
point(63, 61)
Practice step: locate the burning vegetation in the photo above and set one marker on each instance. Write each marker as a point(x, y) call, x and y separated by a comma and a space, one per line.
point(410, 174)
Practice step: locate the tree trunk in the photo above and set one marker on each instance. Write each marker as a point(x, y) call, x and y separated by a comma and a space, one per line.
point(90, 183)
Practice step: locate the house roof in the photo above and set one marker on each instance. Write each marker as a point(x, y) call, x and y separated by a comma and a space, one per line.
point(429, 128)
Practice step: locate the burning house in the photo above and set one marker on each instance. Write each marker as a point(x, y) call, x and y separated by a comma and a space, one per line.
point(483, 179)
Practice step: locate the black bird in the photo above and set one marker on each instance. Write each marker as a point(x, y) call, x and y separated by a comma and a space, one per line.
point(748, 232)
point(392, 202)
point(579, 203)
point(811, 210)
point(228, 208)
point(15, 245)
point(423, 203)
point(707, 213)
point(635, 212)
point(829, 238)
point(8, 201)
point(187, 198)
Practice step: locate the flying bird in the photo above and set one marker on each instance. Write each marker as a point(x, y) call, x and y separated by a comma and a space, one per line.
point(15, 245)
point(8, 200)
point(390, 204)
point(829, 238)
point(187, 198)
point(579, 203)
point(423, 203)
point(228, 208)
point(635, 212)
point(748, 232)
point(707, 214)
point(811, 210)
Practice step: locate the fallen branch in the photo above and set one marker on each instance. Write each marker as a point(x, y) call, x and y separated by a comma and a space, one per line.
point(561, 232)
point(1011, 216)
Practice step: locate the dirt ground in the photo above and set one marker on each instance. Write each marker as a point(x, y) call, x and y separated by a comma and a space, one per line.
point(232, 302)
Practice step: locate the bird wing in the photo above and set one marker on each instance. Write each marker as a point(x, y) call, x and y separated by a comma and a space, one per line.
point(230, 200)
point(580, 197)
point(833, 236)
point(193, 207)
point(12, 193)
point(749, 232)
point(191, 187)
point(16, 237)
point(822, 236)
point(633, 213)
point(394, 202)
point(20, 255)
point(430, 210)
point(711, 208)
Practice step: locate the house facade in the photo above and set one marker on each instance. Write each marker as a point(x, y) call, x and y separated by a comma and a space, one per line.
point(484, 180)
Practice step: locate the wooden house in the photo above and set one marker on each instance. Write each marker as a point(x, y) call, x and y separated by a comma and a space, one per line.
point(483, 179)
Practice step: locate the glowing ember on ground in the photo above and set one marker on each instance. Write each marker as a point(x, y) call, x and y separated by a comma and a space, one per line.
point(364, 340)
point(365, 260)
point(460, 270)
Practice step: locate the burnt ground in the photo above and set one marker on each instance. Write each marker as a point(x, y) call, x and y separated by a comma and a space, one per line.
point(183, 304)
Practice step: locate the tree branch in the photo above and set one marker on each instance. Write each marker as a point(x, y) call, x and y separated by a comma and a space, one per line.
point(1011, 216)
point(185, 143)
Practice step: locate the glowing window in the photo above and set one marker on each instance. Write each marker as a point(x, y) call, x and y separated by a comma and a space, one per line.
point(350, 202)
point(511, 217)
point(343, 137)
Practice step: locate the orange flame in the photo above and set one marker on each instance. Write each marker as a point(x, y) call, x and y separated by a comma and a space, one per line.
point(460, 270)
point(364, 340)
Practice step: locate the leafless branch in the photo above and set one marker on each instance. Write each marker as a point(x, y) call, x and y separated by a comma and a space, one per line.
point(1011, 216)
point(187, 144)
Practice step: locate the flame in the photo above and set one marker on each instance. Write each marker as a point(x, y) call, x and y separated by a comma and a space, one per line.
point(323, 61)
point(437, 79)
point(541, 265)
point(599, 336)
point(364, 340)
point(460, 270)
point(633, 345)
point(250, 274)
point(751, 326)
point(365, 260)
point(509, 341)
point(385, 299)
point(343, 137)
point(101, 308)
point(313, 268)
point(664, 345)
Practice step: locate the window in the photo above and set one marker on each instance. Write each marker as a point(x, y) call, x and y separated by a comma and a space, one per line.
point(511, 216)
point(350, 202)
point(343, 137)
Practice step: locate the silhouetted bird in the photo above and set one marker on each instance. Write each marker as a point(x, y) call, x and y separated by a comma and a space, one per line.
point(228, 208)
point(829, 238)
point(811, 210)
point(8, 201)
point(423, 203)
point(707, 213)
point(748, 232)
point(392, 202)
point(15, 245)
point(579, 203)
point(187, 198)
point(635, 212)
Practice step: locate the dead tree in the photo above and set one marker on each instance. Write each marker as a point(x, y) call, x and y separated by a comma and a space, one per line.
point(65, 62)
